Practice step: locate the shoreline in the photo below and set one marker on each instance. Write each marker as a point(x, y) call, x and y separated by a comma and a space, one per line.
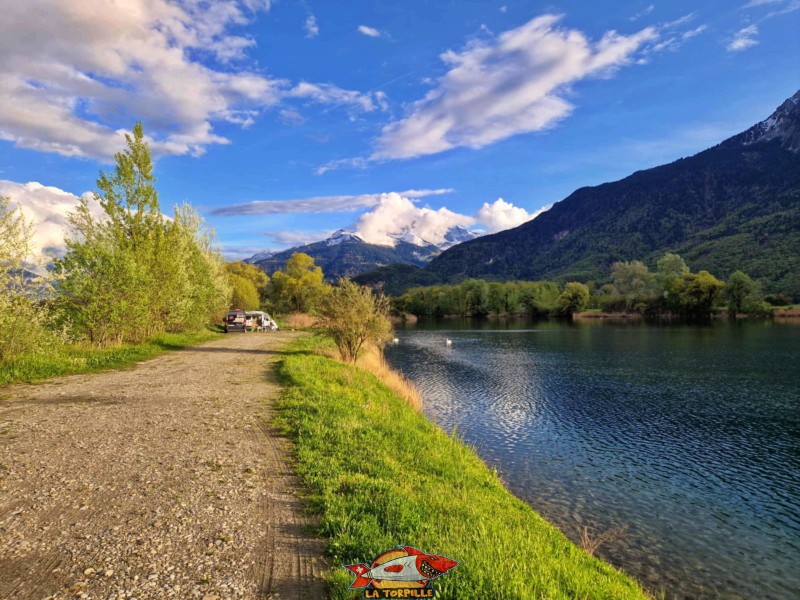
point(380, 474)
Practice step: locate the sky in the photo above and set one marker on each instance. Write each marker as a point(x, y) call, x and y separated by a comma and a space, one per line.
point(282, 121)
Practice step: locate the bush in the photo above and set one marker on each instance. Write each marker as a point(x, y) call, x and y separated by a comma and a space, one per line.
point(353, 315)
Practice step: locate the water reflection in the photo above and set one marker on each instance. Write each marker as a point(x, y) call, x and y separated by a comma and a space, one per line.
point(688, 435)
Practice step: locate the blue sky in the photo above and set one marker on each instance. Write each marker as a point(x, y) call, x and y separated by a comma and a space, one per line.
point(283, 121)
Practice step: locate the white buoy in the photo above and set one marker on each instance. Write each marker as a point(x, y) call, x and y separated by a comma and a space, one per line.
point(449, 342)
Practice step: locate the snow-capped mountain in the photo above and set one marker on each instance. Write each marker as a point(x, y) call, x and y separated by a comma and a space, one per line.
point(457, 235)
point(342, 236)
point(345, 253)
point(782, 125)
point(259, 256)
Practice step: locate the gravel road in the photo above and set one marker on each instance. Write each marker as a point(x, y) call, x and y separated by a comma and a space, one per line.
point(163, 480)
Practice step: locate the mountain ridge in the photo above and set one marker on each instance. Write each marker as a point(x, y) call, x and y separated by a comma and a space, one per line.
point(733, 206)
point(345, 253)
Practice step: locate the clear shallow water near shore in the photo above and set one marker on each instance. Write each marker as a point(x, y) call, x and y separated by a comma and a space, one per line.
point(688, 435)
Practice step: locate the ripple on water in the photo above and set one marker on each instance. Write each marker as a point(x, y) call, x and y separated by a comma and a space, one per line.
point(689, 436)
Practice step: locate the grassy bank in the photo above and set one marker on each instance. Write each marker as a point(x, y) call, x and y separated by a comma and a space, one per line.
point(380, 475)
point(68, 359)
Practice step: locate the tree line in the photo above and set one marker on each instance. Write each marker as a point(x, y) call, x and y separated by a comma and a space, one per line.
point(672, 289)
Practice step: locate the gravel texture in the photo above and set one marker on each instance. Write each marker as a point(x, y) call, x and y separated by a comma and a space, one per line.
point(159, 481)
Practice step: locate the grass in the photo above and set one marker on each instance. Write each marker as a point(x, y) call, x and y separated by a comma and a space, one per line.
point(380, 474)
point(68, 359)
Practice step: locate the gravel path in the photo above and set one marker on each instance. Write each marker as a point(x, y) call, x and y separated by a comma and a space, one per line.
point(158, 481)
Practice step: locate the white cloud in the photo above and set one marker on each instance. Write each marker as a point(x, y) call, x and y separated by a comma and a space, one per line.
point(643, 13)
point(693, 32)
point(319, 204)
point(296, 237)
point(509, 85)
point(312, 29)
point(326, 93)
point(74, 74)
point(290, 116)
point(369, 31)
point(501, 215)
point(357, 162)
point(743, 39)
point(46, 209)
point(395, 213)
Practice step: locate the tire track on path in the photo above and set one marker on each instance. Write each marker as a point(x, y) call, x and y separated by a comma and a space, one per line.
point(159, 481)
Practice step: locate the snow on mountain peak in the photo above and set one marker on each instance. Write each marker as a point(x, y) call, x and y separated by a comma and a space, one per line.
point(782, 125)
point(342, 236)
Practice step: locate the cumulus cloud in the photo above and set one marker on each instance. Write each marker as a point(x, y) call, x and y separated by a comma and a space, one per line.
point(312, 29)
point(514, 83)
point(501, 215)
point(318, 204)
point(72, 73)
point(369, 31)
point(743, 39)
point(395, 213)
point(46, 208)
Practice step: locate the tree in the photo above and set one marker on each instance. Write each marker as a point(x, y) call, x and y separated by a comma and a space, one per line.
point(20, 318)
point(573, 298)
point(695, 293)
point(633, 282)
point(134, 272)
point(352, 315)
point(249, 284)
point(739, 291)
point(669, 268)
point(300, 286)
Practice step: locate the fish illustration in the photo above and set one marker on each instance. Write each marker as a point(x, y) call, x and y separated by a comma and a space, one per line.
point(402, 564)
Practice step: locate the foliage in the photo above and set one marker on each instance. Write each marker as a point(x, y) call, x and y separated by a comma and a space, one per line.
point(299, 287)
point(248, 285)
point(351, 315)
point(134, 273)
point(696, 293)
point(740, 292)
point(633, 282)
point(379, 473)
point(475, 298)
point(573, 298)
point(21, 313)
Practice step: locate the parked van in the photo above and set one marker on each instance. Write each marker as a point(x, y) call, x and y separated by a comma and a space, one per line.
point(235, 321)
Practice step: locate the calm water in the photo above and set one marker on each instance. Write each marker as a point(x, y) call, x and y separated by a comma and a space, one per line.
point(687, 435)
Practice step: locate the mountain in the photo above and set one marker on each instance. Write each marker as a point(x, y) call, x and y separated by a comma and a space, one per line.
point(345, 254)
point(733, 206)
point(259, 256)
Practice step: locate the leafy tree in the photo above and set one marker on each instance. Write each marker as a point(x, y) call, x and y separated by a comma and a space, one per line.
point(740, 290)
point(134, 273)
point(249, 285)
point(669, 268)
point(352, 315)
point(20, 317)
point(695, 293)
point(573, 298)
point(300, 286)
point(633, 282)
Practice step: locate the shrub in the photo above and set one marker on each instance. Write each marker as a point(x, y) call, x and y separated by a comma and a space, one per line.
point(352, 315)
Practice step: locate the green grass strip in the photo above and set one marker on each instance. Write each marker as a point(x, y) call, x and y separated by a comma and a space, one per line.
point(380, 474)
point(67, 359)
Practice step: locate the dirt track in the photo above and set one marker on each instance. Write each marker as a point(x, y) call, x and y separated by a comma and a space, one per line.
point(159, 481)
